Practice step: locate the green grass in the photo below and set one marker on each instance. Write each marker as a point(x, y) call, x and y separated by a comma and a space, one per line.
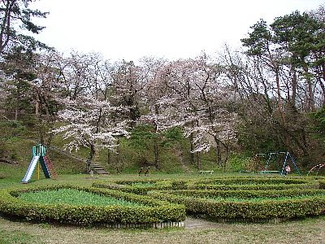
point(73, 197)
point(16, 237)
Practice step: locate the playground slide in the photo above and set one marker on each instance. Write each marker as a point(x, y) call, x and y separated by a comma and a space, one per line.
point(30, 169)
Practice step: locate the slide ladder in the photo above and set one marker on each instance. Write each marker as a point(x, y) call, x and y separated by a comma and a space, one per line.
point(50, 167)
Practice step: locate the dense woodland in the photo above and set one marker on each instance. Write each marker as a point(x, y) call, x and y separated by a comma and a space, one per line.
point(268, 96)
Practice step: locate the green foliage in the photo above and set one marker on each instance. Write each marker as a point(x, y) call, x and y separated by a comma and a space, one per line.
point(223, 183)
point(293, 42)
point(155, 211)
point(255, 184)
point(173, 136)
point(141, 137)
point(239, 162)
point(247, 194)
point(300, 34)
point(249, 199)
point(258, 39)
point(138, 186)
point(256, 137)
point(11, 128)
point(266, 209)
point(14, 28)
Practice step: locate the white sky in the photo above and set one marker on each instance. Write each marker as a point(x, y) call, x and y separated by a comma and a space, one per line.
point(131, 29)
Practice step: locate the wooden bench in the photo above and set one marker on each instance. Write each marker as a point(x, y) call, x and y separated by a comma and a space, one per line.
point(206, 172)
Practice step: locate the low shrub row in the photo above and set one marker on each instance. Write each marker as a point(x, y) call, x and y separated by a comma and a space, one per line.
point(247, 194)
point(253, 183)
point(247, 210)
point(307, 185)
point(251, 180)
point(141, 186)
point(154, 211)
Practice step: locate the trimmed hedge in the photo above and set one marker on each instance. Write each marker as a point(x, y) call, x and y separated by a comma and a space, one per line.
point(308, 185)
point(251, 180)
point(247, 194)
point(142, 186)
point(240, 183)
point(155, 211)
point(248, 210)
point(294, 197)
point(254, 183)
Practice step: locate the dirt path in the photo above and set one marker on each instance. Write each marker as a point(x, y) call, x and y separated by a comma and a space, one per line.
point(194, 223)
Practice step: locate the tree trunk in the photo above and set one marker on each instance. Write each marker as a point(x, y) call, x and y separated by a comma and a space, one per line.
point(323, 90)
point(311, 96)
point(118, 158)
point(108, 156)
point(192, 154)
point(156, 153)
point(294, 86)
point(218, 151)
point(198, 160)
point(92, 152)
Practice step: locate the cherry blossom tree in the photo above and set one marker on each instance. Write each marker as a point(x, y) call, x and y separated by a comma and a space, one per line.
point(196, 97)
point(90, 118)
point(92, 124)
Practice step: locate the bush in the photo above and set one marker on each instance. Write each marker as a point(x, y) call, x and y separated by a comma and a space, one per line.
point(222, 183)
point(141, 186)
point(230, 198)
point(248, 210)
point(247, 194)
point(154, 211)
point(254, 183)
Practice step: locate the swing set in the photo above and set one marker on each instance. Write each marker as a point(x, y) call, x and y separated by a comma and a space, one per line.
point(281, 159)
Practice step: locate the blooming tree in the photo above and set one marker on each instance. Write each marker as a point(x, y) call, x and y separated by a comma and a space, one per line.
point(198, 98)
point(91, 123)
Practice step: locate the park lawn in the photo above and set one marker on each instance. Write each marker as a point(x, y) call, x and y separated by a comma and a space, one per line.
point(309, 230)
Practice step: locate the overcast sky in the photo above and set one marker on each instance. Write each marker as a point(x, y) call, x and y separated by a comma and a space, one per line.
point(131, 29)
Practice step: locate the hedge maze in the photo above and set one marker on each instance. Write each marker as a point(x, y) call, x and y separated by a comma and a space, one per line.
point(161, 203)
point(248, 199)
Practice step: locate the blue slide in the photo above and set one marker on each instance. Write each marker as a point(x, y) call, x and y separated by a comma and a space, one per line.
point(30, 169)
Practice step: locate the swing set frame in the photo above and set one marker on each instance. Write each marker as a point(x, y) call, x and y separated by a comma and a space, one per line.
point(287, 157)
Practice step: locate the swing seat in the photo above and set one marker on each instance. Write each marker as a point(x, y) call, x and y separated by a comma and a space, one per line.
point(269, 172)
